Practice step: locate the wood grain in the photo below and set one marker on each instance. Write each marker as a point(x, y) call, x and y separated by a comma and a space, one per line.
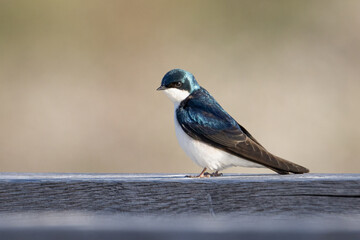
point(233, 194)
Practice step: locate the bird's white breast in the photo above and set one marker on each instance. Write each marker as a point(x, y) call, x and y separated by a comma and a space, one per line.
point(176, 95)
point(205, 155)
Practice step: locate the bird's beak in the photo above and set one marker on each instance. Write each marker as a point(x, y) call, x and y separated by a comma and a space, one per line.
point(161, 88)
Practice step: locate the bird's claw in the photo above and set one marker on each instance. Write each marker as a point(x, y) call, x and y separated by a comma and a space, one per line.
point(205, 175)
point(216, 174)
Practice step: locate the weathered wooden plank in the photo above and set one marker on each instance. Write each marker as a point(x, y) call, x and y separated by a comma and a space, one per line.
point(235, 194)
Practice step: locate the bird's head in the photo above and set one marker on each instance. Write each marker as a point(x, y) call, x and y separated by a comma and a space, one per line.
point(178, 84)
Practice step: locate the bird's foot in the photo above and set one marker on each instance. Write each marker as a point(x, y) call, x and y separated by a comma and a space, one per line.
point(203, 174)
point(216, 174)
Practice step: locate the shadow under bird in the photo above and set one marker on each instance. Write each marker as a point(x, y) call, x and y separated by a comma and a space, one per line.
point(210, 136)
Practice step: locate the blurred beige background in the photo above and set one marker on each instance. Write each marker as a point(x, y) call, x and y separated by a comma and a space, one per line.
point(78, 80)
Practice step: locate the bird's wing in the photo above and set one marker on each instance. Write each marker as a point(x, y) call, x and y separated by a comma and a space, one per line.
point(202, 118)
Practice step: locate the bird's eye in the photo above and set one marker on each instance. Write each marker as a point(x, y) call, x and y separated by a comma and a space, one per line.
point(178, 84)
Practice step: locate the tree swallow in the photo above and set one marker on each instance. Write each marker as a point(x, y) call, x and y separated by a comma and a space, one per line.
point(209, 135)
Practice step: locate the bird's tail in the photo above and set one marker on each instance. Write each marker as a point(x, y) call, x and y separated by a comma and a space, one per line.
point(286, 167)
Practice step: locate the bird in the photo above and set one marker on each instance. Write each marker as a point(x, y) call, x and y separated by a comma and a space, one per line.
point(210, 136)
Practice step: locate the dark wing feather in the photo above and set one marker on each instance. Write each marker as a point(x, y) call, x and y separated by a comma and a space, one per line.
point(202, 118)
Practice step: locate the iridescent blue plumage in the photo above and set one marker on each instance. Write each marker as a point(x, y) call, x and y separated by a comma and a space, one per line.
point(188, 80)
point(201, 108)
point(201, 111)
